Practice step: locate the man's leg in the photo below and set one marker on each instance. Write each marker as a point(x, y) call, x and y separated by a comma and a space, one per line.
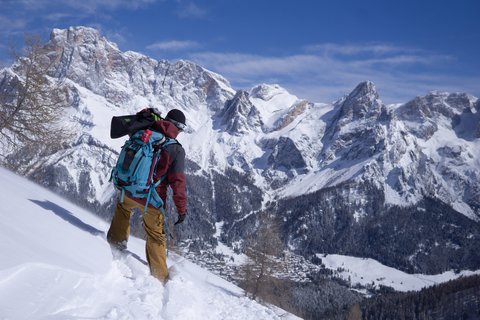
point(156, 244)
point(119, 230)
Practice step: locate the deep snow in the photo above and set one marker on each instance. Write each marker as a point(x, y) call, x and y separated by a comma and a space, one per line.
point(56, 264)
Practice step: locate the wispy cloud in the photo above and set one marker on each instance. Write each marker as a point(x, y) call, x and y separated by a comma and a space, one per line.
point(355, 49)
point(58, 16)
point(325, 72)
point(190, 10)
point(116, 37)
point(12, 23)
point(86, 6)
point(23, 12)
point(173, 45)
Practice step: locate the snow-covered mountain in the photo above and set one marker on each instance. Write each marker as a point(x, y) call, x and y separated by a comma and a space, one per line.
point(398, 183)
point(57, 264)
point(272, 134)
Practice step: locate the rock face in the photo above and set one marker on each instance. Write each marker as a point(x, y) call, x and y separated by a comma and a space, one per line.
point(397, 183)
point(239, 115)
point(356, 132)
point(286, 156)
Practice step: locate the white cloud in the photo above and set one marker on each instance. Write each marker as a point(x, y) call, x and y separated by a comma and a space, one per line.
point(354, 49)
point(256, 65)
point(12, 23)
point(116, 37)
point(85, 6)
point(173, 45)
point(190, 10)
point(58, 16)
point(328, 71)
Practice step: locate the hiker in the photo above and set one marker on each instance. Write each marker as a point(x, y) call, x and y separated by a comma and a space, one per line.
point(171, 166)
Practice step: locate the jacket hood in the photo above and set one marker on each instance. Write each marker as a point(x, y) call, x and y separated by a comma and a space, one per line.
point(167, 128)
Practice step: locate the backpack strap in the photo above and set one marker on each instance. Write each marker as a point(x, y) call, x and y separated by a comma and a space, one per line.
point(149, 196)
point(169, 141)
point(122, 195)
point(162, 145)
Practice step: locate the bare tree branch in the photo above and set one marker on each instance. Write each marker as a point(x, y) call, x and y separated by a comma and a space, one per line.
point(32, 104)
point(263, 248)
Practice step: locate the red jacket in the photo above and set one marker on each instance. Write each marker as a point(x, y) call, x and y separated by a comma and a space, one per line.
point(171, 164)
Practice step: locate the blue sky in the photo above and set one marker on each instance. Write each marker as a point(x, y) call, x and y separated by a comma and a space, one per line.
point(318, 50)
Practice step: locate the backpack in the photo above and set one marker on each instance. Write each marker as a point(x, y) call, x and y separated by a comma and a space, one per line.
point(137, 164)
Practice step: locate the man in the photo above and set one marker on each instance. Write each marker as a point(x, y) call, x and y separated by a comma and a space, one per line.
point(171, 165)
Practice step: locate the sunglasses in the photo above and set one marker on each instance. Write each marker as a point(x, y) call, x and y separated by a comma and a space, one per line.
point(179, 125)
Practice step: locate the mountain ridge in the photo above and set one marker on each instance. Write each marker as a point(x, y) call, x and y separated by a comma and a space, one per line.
point(349, 163)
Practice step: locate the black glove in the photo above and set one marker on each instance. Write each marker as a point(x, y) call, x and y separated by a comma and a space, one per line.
point(181, 217)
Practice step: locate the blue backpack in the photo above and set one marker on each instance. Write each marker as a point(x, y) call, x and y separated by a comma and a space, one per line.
point(137, 164)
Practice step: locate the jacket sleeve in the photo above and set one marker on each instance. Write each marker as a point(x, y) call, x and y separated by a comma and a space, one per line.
point(174, 163)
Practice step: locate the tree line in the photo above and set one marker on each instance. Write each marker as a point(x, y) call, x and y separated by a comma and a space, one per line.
point(455, 299)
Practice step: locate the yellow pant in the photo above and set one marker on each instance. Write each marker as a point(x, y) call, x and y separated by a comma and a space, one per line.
point(153, 224)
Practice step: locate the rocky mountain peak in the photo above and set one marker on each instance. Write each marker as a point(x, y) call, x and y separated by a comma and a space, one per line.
point(88, 59)
point(85, 57)
point(424, 114)
point(364, 88)
point(78, 36)
point(266, 91)
point(434, 105)
point(361, 103)
point(240, 115)
point(356, 132)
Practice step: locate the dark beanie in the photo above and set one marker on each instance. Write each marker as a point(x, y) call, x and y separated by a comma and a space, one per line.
point(176, 115)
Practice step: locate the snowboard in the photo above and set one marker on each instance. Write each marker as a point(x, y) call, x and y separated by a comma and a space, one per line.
point(123, 125)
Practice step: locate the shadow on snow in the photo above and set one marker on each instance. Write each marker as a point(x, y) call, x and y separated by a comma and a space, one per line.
point(68, 216)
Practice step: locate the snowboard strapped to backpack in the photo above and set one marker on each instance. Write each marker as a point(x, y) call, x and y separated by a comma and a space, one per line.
point(136, 166)
point(123, 125)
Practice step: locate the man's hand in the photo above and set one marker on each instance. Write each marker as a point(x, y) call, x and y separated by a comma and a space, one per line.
point(181, 217)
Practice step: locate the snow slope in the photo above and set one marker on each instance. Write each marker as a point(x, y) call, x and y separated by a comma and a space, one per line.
point(56, 264)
